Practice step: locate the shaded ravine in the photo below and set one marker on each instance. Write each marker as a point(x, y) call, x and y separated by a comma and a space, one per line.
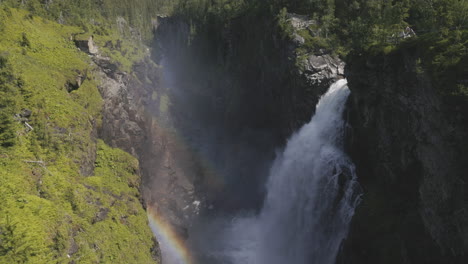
point(312, 192)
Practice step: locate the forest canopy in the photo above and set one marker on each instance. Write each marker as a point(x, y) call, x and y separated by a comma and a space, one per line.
point(356, 24)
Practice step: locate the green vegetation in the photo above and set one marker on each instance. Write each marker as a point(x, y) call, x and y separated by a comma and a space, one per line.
point(9, 89)
point(345, 26)
point(123, 236)
point(210, 10)
point(119, 28)
point(359, 27)
point(50, 211)
point(445, 61)
point(103, 14)
point(122, 51)
point(350, 25)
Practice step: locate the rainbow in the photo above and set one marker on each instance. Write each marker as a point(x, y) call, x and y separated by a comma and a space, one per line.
point(173, 248)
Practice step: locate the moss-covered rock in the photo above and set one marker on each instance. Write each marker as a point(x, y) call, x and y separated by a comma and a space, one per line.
point(64, 196)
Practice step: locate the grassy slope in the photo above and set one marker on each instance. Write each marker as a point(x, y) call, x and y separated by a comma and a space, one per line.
point(48, 210)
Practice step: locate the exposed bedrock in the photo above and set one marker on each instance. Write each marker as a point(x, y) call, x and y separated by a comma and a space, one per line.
point(408, 140)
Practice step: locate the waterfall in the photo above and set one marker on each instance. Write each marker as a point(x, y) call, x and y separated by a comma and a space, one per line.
point(312, 192)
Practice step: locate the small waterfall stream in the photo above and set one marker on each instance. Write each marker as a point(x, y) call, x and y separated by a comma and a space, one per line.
point(312, 193)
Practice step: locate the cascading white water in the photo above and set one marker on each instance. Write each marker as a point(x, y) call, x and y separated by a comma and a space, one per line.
point(312, 193)
point(312, 190)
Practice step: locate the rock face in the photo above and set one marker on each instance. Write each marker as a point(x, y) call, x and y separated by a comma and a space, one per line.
point(205, 124)
point(236, 95)
point(408, 142)
point(206, 121)
point(135, 120)
point(123, 121)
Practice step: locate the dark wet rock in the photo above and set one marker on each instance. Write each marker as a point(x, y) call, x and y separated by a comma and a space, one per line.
point(409, 148)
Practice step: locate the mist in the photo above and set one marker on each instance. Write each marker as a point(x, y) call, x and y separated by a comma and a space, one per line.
point(232, 122)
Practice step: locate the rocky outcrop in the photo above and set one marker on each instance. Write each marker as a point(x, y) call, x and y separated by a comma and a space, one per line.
point(322, 70)
point(408, 140)
point(299, 22)
point(86, 45)
point(319, 67)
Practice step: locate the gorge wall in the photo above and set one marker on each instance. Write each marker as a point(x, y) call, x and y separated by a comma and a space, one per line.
point(207, 110)
point(408, 138)
point(205, 125)
point(237, 93)
point(207, 121)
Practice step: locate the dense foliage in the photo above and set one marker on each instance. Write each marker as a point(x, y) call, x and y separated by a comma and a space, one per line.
point(53, 207)
point(104, 14)
point(47, 206)
point(351, 27)
point(8, 92)
point(356, 24)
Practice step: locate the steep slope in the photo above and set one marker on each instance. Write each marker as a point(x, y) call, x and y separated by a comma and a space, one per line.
point(408, 138)
point(65, 197)
point(232, 85)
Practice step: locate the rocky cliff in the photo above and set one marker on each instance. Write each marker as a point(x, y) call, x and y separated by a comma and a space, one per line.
point(238, 90)
point(408, 138)
point(65, 196)
point(205, 125)
point(206, 120)
point(200, 116)
point(135, 118)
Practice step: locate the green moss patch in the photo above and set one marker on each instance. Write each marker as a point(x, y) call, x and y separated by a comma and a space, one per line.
point(50, 211)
